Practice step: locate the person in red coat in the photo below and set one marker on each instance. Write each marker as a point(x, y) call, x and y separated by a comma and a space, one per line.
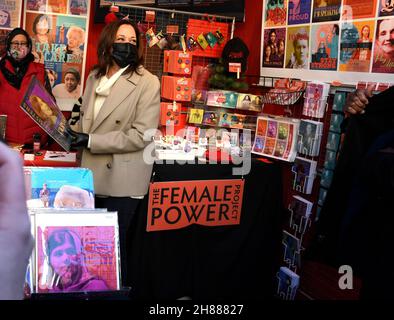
point(17, 68)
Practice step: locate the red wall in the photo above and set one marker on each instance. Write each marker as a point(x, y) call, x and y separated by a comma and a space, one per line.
point(249, 32)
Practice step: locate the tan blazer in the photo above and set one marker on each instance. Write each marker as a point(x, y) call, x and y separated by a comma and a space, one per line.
point(116, 135)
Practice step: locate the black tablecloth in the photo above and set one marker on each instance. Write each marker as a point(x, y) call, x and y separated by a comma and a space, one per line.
point(212, 262)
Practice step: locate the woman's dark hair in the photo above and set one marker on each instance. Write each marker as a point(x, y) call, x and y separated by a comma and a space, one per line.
point(104, 48)
point(37, 20)
point(8, 22)
point(13, 34)
point(59, 238)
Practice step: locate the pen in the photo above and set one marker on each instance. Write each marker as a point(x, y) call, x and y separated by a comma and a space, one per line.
point(56, 156)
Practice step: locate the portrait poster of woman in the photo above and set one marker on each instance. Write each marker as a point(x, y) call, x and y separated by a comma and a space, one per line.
point(77, 252)
point(356, 46)
point(274, 47)
point(10, 14)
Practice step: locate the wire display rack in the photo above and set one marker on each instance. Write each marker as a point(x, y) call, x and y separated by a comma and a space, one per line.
point(164, 17)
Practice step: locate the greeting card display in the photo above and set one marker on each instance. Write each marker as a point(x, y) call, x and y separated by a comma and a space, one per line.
point(300, 211)
point(249, 102)
point(309, 137)
point(222, 98)
point(276, 138)
point(304, 171)
point(315, 101)
point(288, 282)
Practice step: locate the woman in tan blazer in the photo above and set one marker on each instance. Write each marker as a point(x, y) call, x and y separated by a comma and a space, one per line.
point(121, 103)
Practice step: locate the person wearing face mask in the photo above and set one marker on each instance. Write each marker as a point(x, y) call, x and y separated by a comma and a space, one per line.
point(120, 107)
point(17, 68)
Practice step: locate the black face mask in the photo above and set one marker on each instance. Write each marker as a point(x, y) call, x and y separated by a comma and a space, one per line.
point(124, 54)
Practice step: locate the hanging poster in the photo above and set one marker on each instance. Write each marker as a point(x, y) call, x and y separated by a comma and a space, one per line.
point(358, 9)
point(383, 56)
point(326, 10)
point(324, 46)
point(274, 47)
point(356, 46)
point(386, 8)
point(275, 13)
point(10, 14)
point(297, 52)
point(299, 11)
point(59, 37)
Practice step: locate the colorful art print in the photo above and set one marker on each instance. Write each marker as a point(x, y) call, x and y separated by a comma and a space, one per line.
point(339, 101)
point(79, 7)
point(59, 188)
point(386, 8)
point(324, 47)
point(280, 148)
point(333, 140)
point(249, 102)
point(225, 119)
point(297, 49)
point(41, 107)
point(289, 154)
point(326, 10)
point(275, 13)
point(36, 5)
point(74, 258)
point(10, 14)
point(269, 146)
point(225, 99)
point(57, 6)
point(272, 129)
point(274, 47)
point(196, 115)
point(199, 96)
point(383, 56)
point(336, 121)
point(358, 9)
point(283, 131)
point(237, 120)
point(356, 46)
point(210, 118)
point(326, 178)
point(259, 144)
point(299, 11)
point(262, 125)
